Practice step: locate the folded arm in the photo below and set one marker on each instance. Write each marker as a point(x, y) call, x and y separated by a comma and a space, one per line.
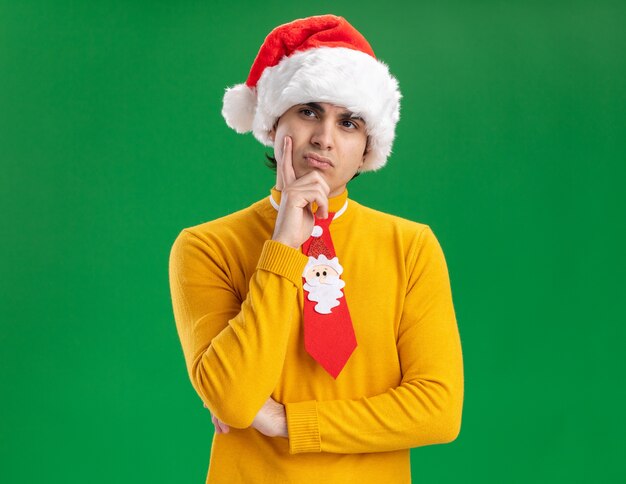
point(234, 350)
point(426, 407)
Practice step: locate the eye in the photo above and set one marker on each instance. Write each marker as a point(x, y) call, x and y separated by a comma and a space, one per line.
point(350, 124)
point(324, 272)
point(317, 274)
point(304, 111)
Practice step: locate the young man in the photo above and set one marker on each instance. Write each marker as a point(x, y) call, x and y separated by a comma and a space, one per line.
point(320, 333)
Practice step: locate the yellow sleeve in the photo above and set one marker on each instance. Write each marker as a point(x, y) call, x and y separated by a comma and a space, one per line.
point(234, 350)
point(426, 407)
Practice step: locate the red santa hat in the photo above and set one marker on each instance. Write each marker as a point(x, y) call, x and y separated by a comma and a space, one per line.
point(317, 59)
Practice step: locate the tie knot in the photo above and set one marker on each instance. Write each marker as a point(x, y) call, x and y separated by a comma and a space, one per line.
point(324, 222)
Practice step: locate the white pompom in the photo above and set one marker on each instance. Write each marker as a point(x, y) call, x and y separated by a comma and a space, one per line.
point(238, 108)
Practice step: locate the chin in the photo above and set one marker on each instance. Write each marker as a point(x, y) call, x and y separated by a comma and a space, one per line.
point(308, 169)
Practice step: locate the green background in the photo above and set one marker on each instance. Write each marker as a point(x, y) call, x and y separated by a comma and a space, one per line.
point(511, 146)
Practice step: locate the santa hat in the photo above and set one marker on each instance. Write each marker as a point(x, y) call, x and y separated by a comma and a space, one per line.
point(317, 59)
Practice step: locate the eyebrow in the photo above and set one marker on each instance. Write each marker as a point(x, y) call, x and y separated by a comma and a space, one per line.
point(344, 115)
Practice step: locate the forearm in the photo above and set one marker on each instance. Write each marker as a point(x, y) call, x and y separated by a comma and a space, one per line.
point(414, 414)
point(240, 368)
point(235, 354)
point(426, 407)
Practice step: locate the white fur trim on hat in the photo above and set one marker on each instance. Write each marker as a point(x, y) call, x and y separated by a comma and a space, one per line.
point(336, 75)
point(239, 107)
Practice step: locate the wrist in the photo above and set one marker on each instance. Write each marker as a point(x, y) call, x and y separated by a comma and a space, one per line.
point(285, 242)
point(282, 423)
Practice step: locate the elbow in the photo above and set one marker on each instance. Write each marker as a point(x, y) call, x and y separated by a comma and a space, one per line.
point(452, 428)
point(224, 400)
point(450, 419)
point(233, 415)
point(444, 413)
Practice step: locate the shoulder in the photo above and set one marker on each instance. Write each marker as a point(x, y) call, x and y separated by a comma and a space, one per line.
point(391, 234)
point(226, 225)
point(386, 223)
point(225, 233)
point(413, 238)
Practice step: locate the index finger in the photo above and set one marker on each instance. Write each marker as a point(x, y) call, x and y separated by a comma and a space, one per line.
point(289, 175)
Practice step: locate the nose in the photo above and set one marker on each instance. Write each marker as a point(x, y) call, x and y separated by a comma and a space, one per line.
point(323, 135)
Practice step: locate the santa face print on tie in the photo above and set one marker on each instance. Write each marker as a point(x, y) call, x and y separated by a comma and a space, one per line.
point(323, 283)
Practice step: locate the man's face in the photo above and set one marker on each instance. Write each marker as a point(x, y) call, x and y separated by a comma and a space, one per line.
point(328, 132)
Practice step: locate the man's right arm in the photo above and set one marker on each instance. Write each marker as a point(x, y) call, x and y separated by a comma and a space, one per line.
point(234, 351)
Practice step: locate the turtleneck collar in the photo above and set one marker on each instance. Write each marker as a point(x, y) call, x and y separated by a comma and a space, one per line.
point(335, 203)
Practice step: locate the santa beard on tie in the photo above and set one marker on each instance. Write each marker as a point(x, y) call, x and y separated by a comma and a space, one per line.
point(325, 293)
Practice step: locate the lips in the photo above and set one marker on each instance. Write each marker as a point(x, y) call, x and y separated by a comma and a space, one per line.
point(319, 158)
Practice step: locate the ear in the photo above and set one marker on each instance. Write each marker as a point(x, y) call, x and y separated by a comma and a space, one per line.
point(272, 132)
point(367, 150)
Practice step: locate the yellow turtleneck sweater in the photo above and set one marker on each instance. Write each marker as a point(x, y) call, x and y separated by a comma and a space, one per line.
point(238, 300)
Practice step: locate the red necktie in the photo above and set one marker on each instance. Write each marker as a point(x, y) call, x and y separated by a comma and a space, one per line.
point(328, 333)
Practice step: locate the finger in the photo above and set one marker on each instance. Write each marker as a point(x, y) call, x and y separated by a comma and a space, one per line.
point(289, 175)
point(223, 427)
point(321, 210)
point(312, 178)
point(217, 427)
point(312, 195)
point(322, 207)
point(280, 183)
point(321, 202)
